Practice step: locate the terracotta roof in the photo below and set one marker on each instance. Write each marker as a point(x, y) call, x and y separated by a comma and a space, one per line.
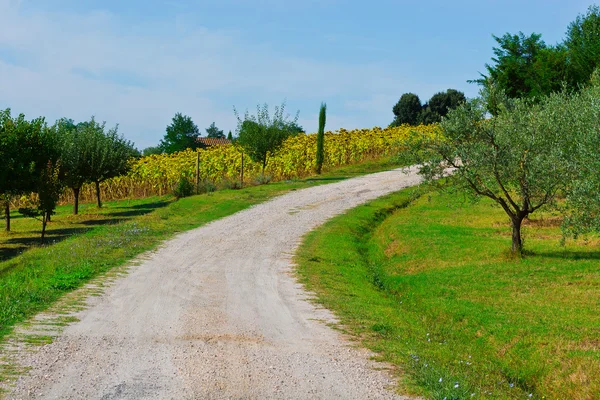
point(213, 141)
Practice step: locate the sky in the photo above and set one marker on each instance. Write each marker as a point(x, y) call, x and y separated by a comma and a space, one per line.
point(136, 63)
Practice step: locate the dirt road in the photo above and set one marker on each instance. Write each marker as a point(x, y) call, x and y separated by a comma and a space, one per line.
point(216, 314)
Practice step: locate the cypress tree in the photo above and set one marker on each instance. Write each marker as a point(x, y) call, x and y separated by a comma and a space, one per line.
point(321, 138)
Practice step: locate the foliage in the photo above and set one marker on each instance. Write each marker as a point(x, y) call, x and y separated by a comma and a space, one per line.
point(148, 151)
point(23, 154)
point(230, 136)
point(407, 110)
point(111, 155)
point(182, 134)
point(524, 66)
point(442, 102)
point(518, 158)
point(582, 44)
point(583, 197)
point(213, 132)
point(184, 188)
point(88, 154)
point(321, 138)
point(49, 189)
point(260, 135)
point(77, 144)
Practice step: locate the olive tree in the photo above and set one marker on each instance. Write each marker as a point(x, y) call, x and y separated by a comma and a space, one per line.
point(521, 158)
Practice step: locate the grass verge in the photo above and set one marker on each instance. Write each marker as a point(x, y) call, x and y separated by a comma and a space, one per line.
point(429, 284)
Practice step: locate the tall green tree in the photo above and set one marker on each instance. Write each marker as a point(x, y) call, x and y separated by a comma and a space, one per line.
point(261, 135)
point(525, 67)
point(181, 134)
point(320, 157)
point(230, 136)
point(22, 154)
point(407, 110)
point(582, 44)
point(213, 132)
point(442, 102)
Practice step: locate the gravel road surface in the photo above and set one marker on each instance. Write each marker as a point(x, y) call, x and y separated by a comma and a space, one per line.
point(216, 313)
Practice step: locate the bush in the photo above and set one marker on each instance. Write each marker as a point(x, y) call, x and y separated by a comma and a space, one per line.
point(184, 188)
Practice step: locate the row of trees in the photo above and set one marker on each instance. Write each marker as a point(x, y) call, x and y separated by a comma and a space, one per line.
point(44, 159)
point(409, 110)
point(524, 66)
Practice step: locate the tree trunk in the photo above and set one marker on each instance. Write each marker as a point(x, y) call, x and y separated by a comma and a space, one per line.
point(44, 221)
point(517, 243)
point(76, 201)
point(264, 164)
point(7, 214)
point(98, 194)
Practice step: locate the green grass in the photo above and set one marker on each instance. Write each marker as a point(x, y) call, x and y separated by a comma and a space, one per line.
point(430, 286)
point(33, 277)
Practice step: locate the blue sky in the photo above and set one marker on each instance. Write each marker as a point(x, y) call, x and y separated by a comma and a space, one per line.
point(137, 63)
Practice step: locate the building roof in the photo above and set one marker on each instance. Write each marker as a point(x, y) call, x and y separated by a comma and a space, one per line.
point(213, 141)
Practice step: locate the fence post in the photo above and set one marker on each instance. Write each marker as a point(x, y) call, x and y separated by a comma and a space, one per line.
point(197, 171)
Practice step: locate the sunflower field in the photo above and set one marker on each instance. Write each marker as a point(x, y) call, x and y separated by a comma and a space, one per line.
point(222, 165)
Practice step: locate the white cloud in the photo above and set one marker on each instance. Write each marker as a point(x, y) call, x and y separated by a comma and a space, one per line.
point(78, 65)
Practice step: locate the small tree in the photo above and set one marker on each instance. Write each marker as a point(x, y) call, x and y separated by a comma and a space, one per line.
point(110, 155)
point(77, 145)
point(321, 138)
point(407, 110)
point(261, 135)
point(49, 187)
point(181, 134)
point(22, 156)
point(229, 136)
point(213, 132)
point(519, 158)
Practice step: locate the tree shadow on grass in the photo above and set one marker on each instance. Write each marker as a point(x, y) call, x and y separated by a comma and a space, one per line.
point(137, 210)
point(16, 245)
point(571, 255)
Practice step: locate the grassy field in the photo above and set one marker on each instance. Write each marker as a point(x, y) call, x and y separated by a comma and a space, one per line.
point(80, 247)
point(430, 285)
